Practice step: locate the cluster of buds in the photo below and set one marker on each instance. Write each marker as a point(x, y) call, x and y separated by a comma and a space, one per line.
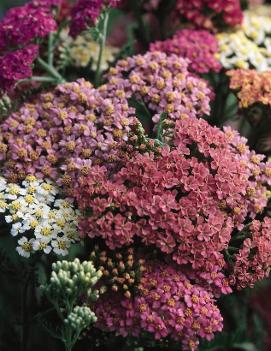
point(121, 269)
point(70, 280)
point(80, 318)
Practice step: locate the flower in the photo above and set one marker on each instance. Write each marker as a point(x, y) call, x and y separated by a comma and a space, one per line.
point(21, 25)
point(72, 127)
point(253, 260)
point(248, 46)
point(251, 86)
point(184, 201)
point(86, 12)
point(199, 46)
point(16, 65)
point(162, 83)
point(195, 12)
point(33, 207)
point(167, 305)
point(83, 51)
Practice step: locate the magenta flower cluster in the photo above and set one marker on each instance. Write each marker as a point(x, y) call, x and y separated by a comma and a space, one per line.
point(185, 202)
point(163, 83)
point(61, 130)
point(17, 65)
point(195, 11)
point(199, 46)
point(21, 25)
point(167, 305)
point(86, 12)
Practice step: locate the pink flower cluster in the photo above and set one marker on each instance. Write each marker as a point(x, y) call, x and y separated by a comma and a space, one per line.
point(167, 305)
point(163, 83)
point(185, 201)
point(21, 25)
point(61, 130)
point(86, 12)
point(16, 65)
point(199, 46)
point(253, 261)
point(196, 11)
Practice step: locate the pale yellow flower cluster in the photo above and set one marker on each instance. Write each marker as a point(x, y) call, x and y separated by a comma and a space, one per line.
point(35, 210)
point(83, 51)
point(249, 46)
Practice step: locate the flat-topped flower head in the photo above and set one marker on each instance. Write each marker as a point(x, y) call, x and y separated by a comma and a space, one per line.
point(252, 87)
point(205, 13)
point(163, 83)
point(191, 313)
point(16, 65)
point(248, 46)
point(21, 25)
point(73, 125)
point(86, 12)
point(199, 46)
point(183, 201)
point(35, 208)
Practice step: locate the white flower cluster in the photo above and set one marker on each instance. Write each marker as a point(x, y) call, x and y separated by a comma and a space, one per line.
point(247, 47)
point(32, 208)
point(83, 51)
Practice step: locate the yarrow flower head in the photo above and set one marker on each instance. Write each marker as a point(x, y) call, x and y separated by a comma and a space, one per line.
point(72, 125)
point(33, 208)
point(253, 261)
point(195, 11)
point(248, 46)
point(21, 25)
point(16, 65)
point(185, 201)
point(83, 51)
point(86, 12)
point(162, 82)
point(164, 290)
point(252, 87)
point(199, 46)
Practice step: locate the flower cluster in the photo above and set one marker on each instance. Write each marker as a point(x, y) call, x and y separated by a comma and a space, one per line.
point(16, 65)
point(167, 305)
point(33, 209)
point(83, 51)
point(249, 46)
point(199, 46)
point(253, 261)
point(252, 87)
point(185, 201)
point(85, 13)
point(21, 25)
point(63, 128)
point(121, 270)
point(71, 280)
point(195, 12)
point(71, 285)
point(163, 83)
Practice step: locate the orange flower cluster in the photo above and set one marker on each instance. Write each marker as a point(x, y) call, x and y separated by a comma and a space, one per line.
point(252, 86)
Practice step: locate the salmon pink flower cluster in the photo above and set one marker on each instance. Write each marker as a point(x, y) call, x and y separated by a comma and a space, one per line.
point(185, 202)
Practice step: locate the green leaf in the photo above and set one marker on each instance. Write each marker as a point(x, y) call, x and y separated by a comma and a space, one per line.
point(163, 116)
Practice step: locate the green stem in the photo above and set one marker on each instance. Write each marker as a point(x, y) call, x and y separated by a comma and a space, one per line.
point(102, 43)
point(25, 312)
point(51, 71)
point(50, 49)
